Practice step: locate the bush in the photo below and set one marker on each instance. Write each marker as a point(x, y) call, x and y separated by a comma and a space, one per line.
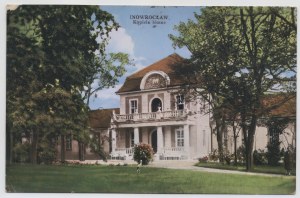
point(47, 155)
point(290, 159)
point(214, 156)
point(273, 153)
point(259, 157)
point(98, 149)
point(227, 159)
point(203, 159)
point(241, 154)
point(21, 152)
point(143, 152)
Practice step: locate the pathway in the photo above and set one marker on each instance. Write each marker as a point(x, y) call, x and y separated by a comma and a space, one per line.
point(189, 165)
point(176, 164)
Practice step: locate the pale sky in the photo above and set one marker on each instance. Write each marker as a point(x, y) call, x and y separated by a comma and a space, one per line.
point(145, 43)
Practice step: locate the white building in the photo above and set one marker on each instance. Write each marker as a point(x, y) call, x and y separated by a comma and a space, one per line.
point(152, 111)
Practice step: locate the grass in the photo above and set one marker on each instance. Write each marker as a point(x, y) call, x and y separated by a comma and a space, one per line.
point(124, 179)
point(257, 169)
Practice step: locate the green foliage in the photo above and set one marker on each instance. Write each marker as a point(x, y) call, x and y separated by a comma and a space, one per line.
point(143, 152)
point(241, 154)
point(259, 157)
point(21, 151)
point(290, 159)
point(53, 53)
point(232, 65)
point(97, 147)
point(203, 159)
point(47, 154)
point(273, 154)
point(275, 128)
point(213, 156)
point(227, 159)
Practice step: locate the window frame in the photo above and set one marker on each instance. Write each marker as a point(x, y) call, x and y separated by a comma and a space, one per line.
point(179, 137)
point(131, 140)
point(69, 142)
point(131, 109)
point(180, 102)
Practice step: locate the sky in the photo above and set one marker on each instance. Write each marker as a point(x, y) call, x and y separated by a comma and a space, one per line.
point(145, 43)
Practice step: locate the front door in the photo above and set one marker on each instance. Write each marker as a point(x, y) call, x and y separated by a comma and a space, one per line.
point(154, 141)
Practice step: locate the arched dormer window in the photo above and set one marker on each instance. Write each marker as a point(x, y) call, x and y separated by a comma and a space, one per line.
point(155, 79)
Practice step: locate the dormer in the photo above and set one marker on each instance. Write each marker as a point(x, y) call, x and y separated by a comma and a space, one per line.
point(154, 80)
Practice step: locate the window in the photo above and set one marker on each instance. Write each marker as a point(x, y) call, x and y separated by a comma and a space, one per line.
point(180, 102)
point(179, 137)
point(133, 106)
point(69, 142)
point(131, 139)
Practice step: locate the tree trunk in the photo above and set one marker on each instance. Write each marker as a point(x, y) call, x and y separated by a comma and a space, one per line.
point(62, 149)
point(34, 146)
point(211, 137)
point(9, 146)
point(81, 151)
point(250, 143)
point(219, 139)
point(235, 136)
point(235, 152)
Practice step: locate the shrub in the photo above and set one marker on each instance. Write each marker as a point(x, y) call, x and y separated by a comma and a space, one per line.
point(143, 152)
point(21, 152)
point(273, 153)
point(241, 154)
point(259, 157)
point(290, 159)
point(214, 156)
point(227, 159)
point(203, 159)
point(47, 155)
point(98, 149)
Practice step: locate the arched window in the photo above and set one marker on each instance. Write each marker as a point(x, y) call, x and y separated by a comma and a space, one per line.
point(156, 105)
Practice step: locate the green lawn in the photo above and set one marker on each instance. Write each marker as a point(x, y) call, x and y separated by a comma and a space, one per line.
point(124, 179)
point(257, 169)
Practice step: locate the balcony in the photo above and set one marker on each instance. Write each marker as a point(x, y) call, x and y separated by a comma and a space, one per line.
point(151, 116)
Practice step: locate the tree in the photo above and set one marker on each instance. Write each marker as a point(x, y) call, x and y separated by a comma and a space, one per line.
point(50, 59)
point(276, 127)
point(110, 67)
point(232, 61)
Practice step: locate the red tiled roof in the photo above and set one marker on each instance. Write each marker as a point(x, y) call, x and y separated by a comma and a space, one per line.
point(101, 118)
point(284, 105)
point(132, 83)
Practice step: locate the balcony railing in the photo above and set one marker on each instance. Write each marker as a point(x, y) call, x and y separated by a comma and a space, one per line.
point(151, 116)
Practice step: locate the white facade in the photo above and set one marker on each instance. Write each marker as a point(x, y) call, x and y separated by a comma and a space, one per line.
point(162, 118)
point(153, 111)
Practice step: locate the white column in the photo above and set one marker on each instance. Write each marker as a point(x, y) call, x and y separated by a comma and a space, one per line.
point(136, 135)
point(168, 136)
point(186, 134)
point(144, 103)
point(114, 140)
point(159, 139)
point(167, 103)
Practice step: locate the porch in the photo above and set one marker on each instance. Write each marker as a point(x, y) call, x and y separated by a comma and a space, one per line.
point(159, 115)
point(171, 153)
point(168, 142)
